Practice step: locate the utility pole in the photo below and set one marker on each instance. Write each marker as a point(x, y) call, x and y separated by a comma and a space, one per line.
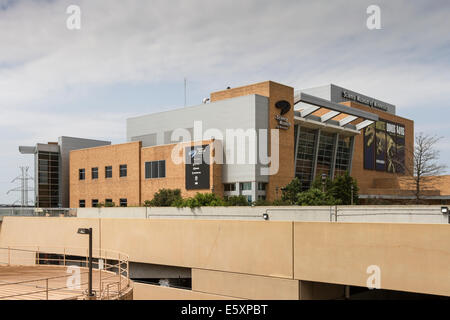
point(24, 177)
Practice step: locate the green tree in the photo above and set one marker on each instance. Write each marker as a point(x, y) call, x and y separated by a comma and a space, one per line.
point(290, 192)
point(316, 197)
point(164, 198)
point(317, 183)
point(341, 189)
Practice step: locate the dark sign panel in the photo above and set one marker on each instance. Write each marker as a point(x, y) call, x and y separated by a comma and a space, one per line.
point(197, 167)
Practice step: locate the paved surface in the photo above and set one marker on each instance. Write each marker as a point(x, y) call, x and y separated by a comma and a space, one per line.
point(35, 287)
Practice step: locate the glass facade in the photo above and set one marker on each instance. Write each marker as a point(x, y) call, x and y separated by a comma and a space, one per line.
point(305, 156)
point(317, 154)
point(325, 154)
point(343, 155)
point(48, 180)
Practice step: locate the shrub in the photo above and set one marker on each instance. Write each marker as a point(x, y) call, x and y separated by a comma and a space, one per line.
point(316, 197)
point(262, 203)
point(164, 198)
point(280, 202)
point(237, 201)
point(201, 200)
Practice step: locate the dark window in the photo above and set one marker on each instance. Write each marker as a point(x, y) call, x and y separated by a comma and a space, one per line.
point(229, 187)
point(108, 201)
point(94, 173)
point(155, 169)
point(123, 170)
point(81, 174)
point(246, 186)
point(82, 203)
point(94, 203)
point(262, 186)
point(123, 202)
point(108, 172)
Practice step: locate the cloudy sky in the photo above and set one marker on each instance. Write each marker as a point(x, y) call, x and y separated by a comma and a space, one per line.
point(130, 58)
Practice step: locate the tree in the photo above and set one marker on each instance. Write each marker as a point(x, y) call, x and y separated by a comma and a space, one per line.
point(425, 158)
point(341, 189)
point(201, 200)
point(239, 201)
point(290, 192)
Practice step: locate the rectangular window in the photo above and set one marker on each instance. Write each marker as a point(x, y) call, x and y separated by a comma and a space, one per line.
point(123, 170)
point(123, 202)
point(108, 172)
point(262, 186)
point(94, 203)
point(155, 169)
point(94, 173)
point(81, 174)
point(82, 203)
point(245, 186)
point(108, 201)
point(229, 187)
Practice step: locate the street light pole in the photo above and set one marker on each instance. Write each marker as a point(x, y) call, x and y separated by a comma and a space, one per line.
point(88, 231)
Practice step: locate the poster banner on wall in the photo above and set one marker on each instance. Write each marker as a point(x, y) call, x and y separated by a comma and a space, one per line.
point(380, 157)
point(197, 167)
point(369, 147)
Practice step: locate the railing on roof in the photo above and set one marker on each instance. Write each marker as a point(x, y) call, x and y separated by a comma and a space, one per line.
point(110, 267)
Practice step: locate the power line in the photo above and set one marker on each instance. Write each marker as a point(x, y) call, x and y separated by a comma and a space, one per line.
point(23, 178)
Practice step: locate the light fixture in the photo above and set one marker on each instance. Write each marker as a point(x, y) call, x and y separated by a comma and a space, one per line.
point(88, 231)
point(265, 216)
point(444, 210)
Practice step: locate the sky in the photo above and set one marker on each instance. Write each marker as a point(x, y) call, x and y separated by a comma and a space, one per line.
point(131, 57)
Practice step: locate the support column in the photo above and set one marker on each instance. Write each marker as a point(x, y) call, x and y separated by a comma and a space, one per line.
point(316, 153)
point(333, 159)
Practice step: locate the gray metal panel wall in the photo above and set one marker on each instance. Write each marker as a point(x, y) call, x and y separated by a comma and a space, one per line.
point(246, 112)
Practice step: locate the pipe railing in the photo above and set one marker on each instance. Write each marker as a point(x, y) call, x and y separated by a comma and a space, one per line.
point(111, 268)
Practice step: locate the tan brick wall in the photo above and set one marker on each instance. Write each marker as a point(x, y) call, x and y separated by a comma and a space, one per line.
point(275, 92)
point(175, 173)
point(366, 178)
point(113, 188)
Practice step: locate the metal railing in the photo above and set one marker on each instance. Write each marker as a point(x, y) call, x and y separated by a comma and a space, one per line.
point(111, 269)
point(36, 212)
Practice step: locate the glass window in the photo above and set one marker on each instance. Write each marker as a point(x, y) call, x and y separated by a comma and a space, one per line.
point(229, 187)
point(82, 204)
point(94, 173)
point(155, 169)
point(123, 202)
point(246, 186)
point(94, 203)
point(108, 172)
point(109, 201)
point(81, 174)
point(262, 186)
point(343, 155)
point(123, 170)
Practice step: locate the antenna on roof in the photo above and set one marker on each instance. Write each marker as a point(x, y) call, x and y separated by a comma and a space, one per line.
point(185, 84)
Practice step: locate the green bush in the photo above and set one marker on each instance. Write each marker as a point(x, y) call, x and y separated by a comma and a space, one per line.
point(262, 203)
point(281, 202)
point(201, 200)
point(316, 197)
point(239, 201)
point(317, 183)
point(164, 198)
point(290, 192)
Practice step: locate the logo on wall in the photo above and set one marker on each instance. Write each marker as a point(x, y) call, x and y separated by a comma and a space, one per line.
point(284, 106)
point(283, 122)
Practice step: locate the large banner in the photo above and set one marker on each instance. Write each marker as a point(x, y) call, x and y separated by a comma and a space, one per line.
point(384, 147)
point(197, 159)
point(369, 147)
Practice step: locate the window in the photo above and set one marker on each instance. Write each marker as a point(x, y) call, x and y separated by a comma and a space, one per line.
point(123, 170)
point(261, 197)
point(109, 202)
point(94, 173)
point(262, 186)
point(229, 187)
point(94, 203)
point(81, 174)
point(305, 156)
point(82, 203)
point(108, 172)
point(155, 169)
point(245, 186)
point(123, 202)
